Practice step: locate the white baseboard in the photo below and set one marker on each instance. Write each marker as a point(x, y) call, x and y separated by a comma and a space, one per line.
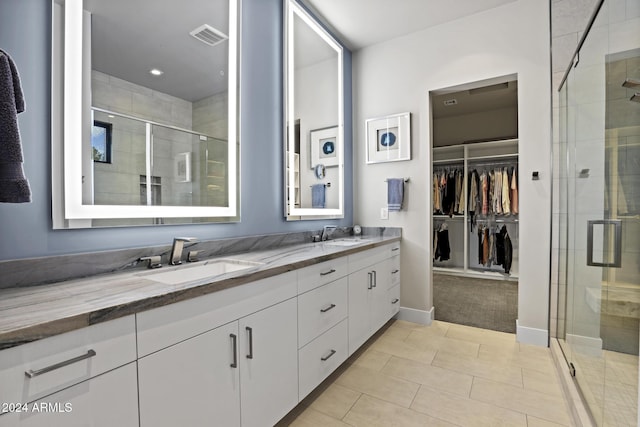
point(532, 336)
point(585, 345)
point(413, 315)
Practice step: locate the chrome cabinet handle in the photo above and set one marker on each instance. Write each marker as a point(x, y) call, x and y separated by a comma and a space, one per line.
point(370, 285)
point(234, 344)
point(324, 310)
point(395, 271)
point(375, 278)
point(325, 358)
point(395, 249)
point(250, 333)
point(328, 272)
point(34, 373)
point(617, 259)
point(395, 301)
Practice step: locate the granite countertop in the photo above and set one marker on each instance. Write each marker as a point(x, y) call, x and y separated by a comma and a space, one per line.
point(30, 313)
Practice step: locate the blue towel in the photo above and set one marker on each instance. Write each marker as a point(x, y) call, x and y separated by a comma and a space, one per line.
point(14, 187)
point(317, 196)
point(395, 194)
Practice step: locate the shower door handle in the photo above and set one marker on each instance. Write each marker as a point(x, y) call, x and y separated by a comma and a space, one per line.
point(617, 259)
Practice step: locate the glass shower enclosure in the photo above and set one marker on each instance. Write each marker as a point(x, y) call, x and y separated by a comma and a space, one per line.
point(599, 262)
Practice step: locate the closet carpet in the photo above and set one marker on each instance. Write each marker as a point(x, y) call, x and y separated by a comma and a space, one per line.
point(483, 303)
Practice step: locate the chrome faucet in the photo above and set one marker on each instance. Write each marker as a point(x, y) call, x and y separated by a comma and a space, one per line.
point(327, 230)
point(176, 250)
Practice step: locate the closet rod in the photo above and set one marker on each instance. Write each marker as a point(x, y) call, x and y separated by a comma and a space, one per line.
point(480, 165)
point(498, 221)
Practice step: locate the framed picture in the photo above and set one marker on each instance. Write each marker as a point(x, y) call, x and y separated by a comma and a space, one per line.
point(389, 138)
point(324, 147)
point(183, 167)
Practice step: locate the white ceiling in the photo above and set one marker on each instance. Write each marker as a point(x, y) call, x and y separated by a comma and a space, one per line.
point(131, 37)
point(361, 23)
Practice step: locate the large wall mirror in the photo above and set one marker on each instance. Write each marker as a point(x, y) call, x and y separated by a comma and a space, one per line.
point(314, 118)
point(144, 115)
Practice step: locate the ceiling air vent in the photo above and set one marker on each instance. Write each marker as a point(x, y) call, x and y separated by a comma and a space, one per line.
point(209, 35)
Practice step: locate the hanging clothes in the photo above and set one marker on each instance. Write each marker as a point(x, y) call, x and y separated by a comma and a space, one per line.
point(500, 252)
point(462, 203)
point(506, 200)
point(480, 245)
point(442, 249)
point(484, 189)
point(514, 192)
point(437, 203)
point(450, 194)
point(508, 252)
point(497, 192)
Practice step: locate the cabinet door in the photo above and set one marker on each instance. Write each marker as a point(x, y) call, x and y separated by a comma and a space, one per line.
point(192, 383)
point(108, 400)
point(360, 300)
point(269, 364)
point(379, 304)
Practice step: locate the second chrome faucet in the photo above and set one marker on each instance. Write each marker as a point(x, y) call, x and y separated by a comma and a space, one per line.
point(176, 250)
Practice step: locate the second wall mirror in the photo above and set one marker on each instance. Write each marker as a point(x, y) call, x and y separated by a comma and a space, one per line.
point(314, 118)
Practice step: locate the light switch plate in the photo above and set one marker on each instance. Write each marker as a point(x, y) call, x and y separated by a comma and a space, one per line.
point(384, 213)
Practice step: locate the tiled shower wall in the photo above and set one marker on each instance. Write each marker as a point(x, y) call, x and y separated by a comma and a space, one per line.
point(128, 159)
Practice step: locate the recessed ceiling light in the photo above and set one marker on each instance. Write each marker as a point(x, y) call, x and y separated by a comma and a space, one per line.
point(156, 72)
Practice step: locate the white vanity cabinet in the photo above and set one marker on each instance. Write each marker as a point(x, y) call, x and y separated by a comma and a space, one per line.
point(268, 364)
point(82, 377)
point(243, 372)
point(371, 292)
point(108, 400)
point(192, 382)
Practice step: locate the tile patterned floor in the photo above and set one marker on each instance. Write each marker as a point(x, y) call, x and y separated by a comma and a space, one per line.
point(439, 375)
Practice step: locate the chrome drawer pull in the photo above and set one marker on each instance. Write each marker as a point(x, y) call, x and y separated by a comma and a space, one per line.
point(328, 272)
point(395, 271)
point(31, 373)
point(395, 301)
point(324, 359)
point(324, 310)
point(234, 344)
point(375, 278)
point(395, 249)
point(370, 285)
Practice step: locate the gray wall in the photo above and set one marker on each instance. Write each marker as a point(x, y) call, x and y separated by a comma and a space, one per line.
point(25, 229)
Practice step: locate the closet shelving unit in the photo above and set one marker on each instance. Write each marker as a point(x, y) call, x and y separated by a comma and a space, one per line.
point(471, 156)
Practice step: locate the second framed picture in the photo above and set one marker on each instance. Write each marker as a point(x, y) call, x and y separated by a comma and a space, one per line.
point(324, 147)
point(389, 138)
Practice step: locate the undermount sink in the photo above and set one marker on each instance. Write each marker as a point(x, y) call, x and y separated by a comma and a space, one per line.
point(345, 242)
point(208, 269)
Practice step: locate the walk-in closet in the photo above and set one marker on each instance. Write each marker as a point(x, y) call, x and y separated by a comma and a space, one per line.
point(475, 205)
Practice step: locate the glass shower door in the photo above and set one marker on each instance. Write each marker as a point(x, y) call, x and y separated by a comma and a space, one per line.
point(600, 224)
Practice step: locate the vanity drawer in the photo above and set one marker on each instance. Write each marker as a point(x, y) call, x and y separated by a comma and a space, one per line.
point(320, 309)
point(395, 270)
point(40, 368)
point(317, 275)
point(364, 259)
point(393, 300)
point(165, 326)
point(318, 359)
